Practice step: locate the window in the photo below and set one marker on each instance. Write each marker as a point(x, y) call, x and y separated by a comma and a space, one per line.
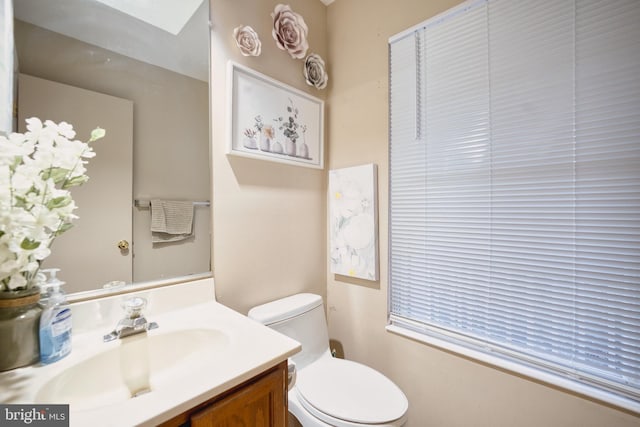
point(515, 189)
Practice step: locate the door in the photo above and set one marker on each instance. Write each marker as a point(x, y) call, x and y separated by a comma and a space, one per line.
point(88, 254)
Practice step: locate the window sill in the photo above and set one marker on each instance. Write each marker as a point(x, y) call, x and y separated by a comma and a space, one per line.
point(520, 368)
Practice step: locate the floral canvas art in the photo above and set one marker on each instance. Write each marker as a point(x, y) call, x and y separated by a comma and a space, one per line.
point(273, 121)
point(354, 221)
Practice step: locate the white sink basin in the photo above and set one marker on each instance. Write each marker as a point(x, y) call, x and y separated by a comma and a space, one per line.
point(133, 366)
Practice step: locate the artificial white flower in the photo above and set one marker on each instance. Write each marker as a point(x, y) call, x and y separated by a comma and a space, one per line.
point(37, 169)
point(14, 146)
point(66, 130)
point(17, 281)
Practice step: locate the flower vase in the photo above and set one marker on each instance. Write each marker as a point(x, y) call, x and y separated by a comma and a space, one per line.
point(289, 147)
point(303, 150)
point(265, 143)
point(276, 147)
point(19, 326)
point(250, 143)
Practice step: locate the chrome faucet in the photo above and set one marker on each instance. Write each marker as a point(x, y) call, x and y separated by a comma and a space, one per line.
point(133, 323)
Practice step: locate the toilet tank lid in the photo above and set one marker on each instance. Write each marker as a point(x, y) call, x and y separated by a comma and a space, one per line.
point(285, 308)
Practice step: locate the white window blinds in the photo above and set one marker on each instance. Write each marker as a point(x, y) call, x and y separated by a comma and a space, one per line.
point(515, 184)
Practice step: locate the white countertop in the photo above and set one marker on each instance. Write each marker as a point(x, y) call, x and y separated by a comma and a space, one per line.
point(250, 349)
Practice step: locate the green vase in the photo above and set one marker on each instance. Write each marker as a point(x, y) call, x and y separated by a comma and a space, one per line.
point(19, 325)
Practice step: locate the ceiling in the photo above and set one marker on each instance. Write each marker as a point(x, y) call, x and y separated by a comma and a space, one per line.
point(94, 22)
point(168, 15)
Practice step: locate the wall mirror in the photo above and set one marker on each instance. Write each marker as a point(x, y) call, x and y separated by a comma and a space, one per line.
point(140, 70)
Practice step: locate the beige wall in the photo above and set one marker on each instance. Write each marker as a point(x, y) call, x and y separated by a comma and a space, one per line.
point(171, 134)
point(443, 389)
point(268, 218)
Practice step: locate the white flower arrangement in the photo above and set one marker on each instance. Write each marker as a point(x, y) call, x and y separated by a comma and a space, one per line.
point(37, 169)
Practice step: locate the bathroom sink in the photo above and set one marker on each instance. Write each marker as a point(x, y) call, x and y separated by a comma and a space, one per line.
point(135, 366)
point(200, 350)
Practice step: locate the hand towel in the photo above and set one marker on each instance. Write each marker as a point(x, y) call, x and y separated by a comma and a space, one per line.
point(171, 220)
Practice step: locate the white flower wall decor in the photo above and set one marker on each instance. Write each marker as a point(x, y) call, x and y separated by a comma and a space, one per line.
point(247, 40)
point(290, 31)
point(354, 221)
point(314, 71)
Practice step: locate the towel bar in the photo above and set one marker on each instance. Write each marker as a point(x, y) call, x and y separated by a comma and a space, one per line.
point(140, 203)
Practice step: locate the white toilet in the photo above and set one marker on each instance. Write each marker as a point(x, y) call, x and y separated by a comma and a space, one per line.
point(326, 391)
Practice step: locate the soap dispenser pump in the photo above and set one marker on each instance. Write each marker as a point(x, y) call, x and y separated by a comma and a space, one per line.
point(55, 321)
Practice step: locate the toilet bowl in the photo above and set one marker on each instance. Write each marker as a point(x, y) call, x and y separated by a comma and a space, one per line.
point(326, 391)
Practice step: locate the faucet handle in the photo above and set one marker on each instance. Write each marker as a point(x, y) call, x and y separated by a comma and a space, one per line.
point(133, 307)
point(133, 322)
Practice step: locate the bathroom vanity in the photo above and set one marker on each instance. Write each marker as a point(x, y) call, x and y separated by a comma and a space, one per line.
point(260, 401)
point(204, 364)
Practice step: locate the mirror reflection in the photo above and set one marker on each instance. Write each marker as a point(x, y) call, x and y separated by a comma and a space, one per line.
point(141, 73)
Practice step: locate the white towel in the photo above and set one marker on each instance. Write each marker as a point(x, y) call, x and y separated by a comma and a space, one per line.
point(171, 220)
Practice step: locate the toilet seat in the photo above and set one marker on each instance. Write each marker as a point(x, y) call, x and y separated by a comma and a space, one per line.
point(343, 393)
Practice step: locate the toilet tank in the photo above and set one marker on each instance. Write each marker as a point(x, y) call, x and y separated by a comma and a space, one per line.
point(300, 317)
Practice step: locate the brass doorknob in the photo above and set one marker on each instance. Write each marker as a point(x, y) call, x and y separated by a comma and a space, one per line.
point(123, 245)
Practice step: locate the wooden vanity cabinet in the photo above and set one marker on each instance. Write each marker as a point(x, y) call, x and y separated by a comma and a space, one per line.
point(258, 402)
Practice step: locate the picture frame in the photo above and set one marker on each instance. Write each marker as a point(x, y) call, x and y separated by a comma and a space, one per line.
point(353, 222)
point(270, 120)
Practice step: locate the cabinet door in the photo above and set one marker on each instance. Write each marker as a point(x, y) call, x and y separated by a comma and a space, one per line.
point(262, 403)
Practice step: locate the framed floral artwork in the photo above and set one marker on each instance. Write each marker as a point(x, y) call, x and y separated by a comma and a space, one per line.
point(272, 121)
point(353, 217)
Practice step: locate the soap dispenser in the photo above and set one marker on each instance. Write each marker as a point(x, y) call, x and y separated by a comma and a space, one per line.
point(55, 321)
